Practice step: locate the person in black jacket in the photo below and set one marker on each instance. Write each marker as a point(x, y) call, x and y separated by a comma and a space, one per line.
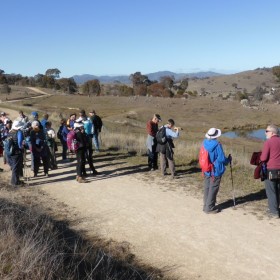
point(81, 151)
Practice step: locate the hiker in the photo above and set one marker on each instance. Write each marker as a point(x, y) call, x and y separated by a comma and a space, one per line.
point(166, 149)
point(71, 121)
point(39, 149)
point(44, 120)
point(80, 153)
point(14, 152)
point(82, 116)
point(35, 117)
point(62, 136)
point(151, 143)
point(271, 156)
point(212, 179)
point(4, 118)
point(88, 127)
point(97, 127)
point(22, 117)
point(4, 133)
point(51, 144)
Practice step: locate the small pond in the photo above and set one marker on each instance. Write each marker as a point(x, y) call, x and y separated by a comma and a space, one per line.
point(257, 134)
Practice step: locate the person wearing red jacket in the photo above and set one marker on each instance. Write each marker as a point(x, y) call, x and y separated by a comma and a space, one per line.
point(151, 143)
point(271, 156)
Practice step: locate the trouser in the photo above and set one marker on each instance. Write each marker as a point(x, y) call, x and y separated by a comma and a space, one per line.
point(96, 141)
point(88, 156)
point(64, 149)
point(80, 161)
point(153, 158)
point(163, 164)
point(16, 166)
point(272, 193)
point(211, 188)
point(45, 159)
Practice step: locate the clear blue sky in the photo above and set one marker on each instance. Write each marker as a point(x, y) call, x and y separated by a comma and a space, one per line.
point(121, 37)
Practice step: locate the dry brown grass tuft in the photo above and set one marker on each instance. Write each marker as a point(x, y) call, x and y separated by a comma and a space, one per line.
point(34, 246)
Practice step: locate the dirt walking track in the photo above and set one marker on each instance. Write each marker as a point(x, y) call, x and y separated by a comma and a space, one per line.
point(164, 226)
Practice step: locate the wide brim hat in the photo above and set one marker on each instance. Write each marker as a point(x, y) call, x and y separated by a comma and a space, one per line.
point(213, 133)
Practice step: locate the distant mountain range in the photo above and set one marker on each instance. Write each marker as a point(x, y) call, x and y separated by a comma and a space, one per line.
point(80, 79)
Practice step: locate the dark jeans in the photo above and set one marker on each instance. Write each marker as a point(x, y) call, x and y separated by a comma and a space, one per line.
point(272, 193)
point(153, 158)
point(17, 168)
point(81, 161)
point(88, 156)
point(211, 188)
point(64, 149)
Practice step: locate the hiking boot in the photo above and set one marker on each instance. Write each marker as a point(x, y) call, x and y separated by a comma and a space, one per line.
point(215, 211)
point(272, 215)
point(81, 180)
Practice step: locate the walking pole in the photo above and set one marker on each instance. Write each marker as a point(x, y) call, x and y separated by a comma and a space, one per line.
point(233, 192)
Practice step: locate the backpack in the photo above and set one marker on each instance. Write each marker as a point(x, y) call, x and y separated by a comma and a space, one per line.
point(10, 145)
point(72, 143)
point(88, 127)
point(161, 136)
point(204, 161)
point(59, 133)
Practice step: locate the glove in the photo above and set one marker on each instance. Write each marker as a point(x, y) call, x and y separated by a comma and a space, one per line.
point(229, 158)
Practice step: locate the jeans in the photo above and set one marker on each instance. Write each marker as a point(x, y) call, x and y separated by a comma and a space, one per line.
point(17, 166)
point(64, 149)
point(96, 141)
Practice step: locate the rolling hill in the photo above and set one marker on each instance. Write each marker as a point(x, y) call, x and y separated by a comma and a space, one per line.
point(80, 79)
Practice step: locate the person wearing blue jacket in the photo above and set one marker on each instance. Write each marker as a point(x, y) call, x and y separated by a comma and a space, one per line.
point(213, 178)
point(16, 158)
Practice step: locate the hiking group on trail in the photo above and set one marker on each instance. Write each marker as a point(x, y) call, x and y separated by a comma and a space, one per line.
point(29, 135)
point(80, 136)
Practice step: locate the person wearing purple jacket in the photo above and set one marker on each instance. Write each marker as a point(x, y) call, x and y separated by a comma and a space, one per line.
point(271, 156)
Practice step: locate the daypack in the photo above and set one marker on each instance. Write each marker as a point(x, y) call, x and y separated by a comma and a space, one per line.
point(88, 126)
point(161, 136)
point(59, 133)
point(72, 143)
point(204, 160)
point(10, 145)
